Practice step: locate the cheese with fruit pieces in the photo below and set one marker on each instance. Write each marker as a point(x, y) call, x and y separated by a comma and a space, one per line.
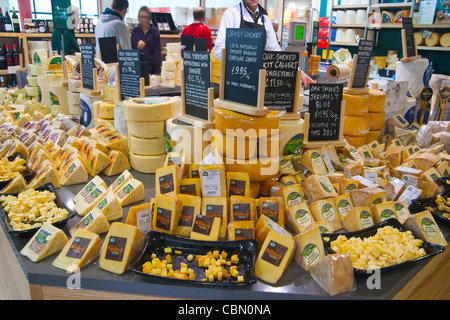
point(74, 173)
point(83, 248)
point(123, 245)
point(114, 141)
point(118, 163)
point(99, 162)
point(44, 175)
point(16, 185)
point(45, 242)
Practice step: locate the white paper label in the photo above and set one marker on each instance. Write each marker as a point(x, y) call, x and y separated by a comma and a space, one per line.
point(144, 221)
point(211, 183)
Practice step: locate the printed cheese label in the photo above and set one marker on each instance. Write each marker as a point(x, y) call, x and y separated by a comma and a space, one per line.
point(166, 184)
point(429, 227)
point(270, 209)
point(328, 212)
point(303, 218)
point(116, 248)
point(387, 214)
point(187, 216)
point(293, 199)
point(211, 183)
point(78, 248)
point(316, 159)
point(163, 218)
point(237, 187)
point(366, 219)
point(274, 253)
point(344, 207)
point(42, 238)
point(241, 211)
point(203, 224)
point(311, 254)
point(214, 210)
point(243, 234)
point(144, 221)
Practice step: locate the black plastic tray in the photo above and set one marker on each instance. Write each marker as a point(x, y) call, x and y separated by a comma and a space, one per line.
point(430, 248)
point(27, 174)
point(29, 232)
point(420, 205)
point(157, 241)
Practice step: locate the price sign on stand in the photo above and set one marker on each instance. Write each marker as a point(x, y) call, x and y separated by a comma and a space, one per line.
point(87, 66)
point(359, 74)
point(196, 83)
point(131, 83)
point(324, 121)
point(282, 81)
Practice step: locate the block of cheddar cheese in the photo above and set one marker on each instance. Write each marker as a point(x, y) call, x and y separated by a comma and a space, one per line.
point(123, 244)
point(82, 249)
point(166, 214)
point(45, 242)
point(334, 273)
point(238, 184)
point(191, 186)
point(308, 248)
point(318, 188)
point(217, 207)
point(273, 208)
point(242, 208)
point(205, 228)
point(312, 160)
point(241, 230)
point(264, 225)
point(168, 180)
point(423, 226)
point(273, 258)
point(191, 208)
point(118, 163)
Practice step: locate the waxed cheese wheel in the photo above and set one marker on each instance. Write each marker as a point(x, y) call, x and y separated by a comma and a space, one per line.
point(418, 38)
point(355, 141)
point(149, 109)
point(433, 40)
point(356, 104)
point(445, 40)
point(356, 126)
point(373, 135)
point(376, 120)
point(377, 100)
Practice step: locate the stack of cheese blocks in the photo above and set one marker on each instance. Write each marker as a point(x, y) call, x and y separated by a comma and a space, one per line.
point(251, 151)
point(172, 66)
point(216, 67)
point(109, 87)
point(356, 120)
point(73, 97)
point(377, 101)
point(34, 70)
point(103, 112)
point(313, 65)
point(146, 123)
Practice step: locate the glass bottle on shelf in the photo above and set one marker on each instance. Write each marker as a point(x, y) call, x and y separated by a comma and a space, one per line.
point(9, 57)
point(2, 21)
point(8, 22)
point(15, 21)
point(15, 55)
point(3, 64)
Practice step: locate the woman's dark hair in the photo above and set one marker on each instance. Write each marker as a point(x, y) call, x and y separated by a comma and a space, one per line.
point(146, 9)
point(119, 5)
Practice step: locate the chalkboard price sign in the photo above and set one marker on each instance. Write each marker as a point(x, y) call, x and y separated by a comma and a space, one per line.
point(281, 79)
point(325, 112)
point(87, 65)
point(365, 49)
point(244, 51)
point(130, 73)
point(409, 37)
point(196, 83)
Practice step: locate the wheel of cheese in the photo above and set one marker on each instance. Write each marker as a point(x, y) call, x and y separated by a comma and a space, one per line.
point(110, 93)
point(32, 91)
point(376, 120)
point(258, 169)
point(377, 100)
point(53, 64)
point(183, 137)
point(445, 40)
point(291, 134)
point(356, 104)
point(227, 119)
point(433, 40)
point(373, 135)
point(356, 126)
point(32, 80)
point(87, 109)
point(149, 109)
point(75, 109)
point(146, 129)
point(355, 142)
point(73, 98)
point(75, 84)
point(104, 110)
point(34, 69)
point(146, 164)
point(230, 146)
point(147, 147)
point(418, 38)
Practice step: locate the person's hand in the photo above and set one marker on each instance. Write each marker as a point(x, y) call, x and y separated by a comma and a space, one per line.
point(141, 45)
point(306, 80)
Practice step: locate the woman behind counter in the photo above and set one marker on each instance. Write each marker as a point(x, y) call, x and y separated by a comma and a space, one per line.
point(146, 38)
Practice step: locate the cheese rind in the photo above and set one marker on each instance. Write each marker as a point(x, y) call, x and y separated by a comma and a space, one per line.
point(123, 244)
point(318, 188)
point(308, 248)
point(81, 249)
point(45, 242)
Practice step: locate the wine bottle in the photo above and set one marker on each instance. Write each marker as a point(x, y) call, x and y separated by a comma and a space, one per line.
point(8, 22)
point(2, 21)
point(3, 64)
point(9, 57)
point(15, 55)
point(15, 21)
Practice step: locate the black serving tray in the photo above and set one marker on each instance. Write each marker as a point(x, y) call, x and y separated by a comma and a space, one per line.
point(157, 241)
point(29, 232)
point(27, 174)
point(420, 205)
point(430, 248)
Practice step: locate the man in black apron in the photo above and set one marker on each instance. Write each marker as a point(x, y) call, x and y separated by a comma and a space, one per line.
point(249, 14)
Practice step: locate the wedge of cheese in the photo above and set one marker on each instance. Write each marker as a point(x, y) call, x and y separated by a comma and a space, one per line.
point(383, 211)
point(242, 208)
point(344, 205)
point(83, 248)
point(423, 226)
point(167, 213)
point(94, 221)
point(114, 141)
point(168, 179)
point(264, 225)
point(298, 217)
point(99, 162)
point(312, 160)
point(192, 206)
point(131, 192)
point(401, 211)
point(217, 207)
point(325, 210)
point(120, 181)
point(74, 173)
point(96, 181)
point(240, 230)
point(44, 175)
point(357, 219)
point(308, 248)
point(86, 204)
point(141, 217)
point(334, 273)
point(16, 185)
point(367, 197)
point(273, 258)
point(45, 242)
point(205, 228)
point(318, 188)
point(110, 207)
point(118, 163)
point(292, 196)
point(123, 244)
